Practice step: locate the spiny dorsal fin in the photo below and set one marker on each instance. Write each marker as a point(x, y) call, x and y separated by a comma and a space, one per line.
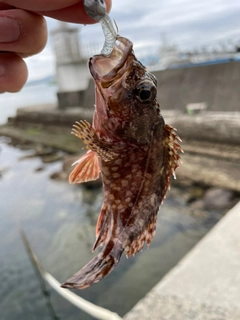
point(171, 142)
point(87, 168)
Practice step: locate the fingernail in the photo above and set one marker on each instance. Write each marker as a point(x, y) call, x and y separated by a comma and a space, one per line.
point(10, 29)
point(2, 70)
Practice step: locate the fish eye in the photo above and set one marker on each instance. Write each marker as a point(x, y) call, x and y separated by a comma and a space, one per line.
point(145, 94)
point(145, 91)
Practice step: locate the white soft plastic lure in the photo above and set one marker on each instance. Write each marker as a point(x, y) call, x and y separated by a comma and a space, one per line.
point(96, 9)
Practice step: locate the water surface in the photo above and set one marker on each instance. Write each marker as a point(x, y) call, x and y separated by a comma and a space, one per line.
point(59, 220)
point(28, 96)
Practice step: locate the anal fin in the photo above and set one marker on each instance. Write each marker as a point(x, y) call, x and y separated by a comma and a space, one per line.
point(87, 168)
point(101, 228)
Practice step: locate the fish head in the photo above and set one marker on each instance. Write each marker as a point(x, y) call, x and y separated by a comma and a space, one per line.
point(126, 104)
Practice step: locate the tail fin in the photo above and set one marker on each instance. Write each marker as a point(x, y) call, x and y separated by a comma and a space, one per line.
point(98, 268)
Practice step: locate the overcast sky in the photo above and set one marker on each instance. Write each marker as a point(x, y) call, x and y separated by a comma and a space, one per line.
point(188, 24)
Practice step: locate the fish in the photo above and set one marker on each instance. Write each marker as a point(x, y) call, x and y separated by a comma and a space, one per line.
point(136, 153)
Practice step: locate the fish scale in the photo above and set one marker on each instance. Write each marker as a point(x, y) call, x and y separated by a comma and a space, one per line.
point(136, 153)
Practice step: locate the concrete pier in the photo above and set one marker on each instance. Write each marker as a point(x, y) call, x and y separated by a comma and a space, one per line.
point(72, 73)
point(205, 284)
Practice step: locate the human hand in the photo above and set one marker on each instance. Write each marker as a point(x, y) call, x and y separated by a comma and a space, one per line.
point(23, 32)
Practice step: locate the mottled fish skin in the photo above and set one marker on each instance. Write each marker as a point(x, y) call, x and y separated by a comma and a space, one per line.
point(137, 154)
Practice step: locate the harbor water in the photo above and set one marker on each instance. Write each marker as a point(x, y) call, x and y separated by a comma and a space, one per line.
point(59, 221)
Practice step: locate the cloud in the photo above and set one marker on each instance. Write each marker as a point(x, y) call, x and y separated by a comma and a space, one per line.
point(189, 24)
point(41, 65)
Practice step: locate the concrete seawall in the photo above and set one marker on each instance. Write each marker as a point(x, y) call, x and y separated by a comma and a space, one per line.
point(217, 85)
point(205, 284)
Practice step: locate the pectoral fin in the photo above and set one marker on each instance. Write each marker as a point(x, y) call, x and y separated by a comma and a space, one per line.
point(87, 168)
point(88, 135)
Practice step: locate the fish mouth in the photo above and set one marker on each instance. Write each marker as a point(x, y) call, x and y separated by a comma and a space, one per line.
point(108, 68)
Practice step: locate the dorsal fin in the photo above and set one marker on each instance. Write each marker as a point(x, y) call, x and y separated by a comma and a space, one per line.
point(145, 236)
point(87, 168)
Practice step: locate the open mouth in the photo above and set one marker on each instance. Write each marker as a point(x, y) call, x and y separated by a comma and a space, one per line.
point(107, 68)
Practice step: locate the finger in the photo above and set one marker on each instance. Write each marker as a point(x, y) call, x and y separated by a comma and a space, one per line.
point(22, 32)
point(4, 6)
point(13, 72)
point(40, 5)
point(57, 9)
point(75, 13)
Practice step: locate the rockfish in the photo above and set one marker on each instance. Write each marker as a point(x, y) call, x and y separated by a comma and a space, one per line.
point(136, 153)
